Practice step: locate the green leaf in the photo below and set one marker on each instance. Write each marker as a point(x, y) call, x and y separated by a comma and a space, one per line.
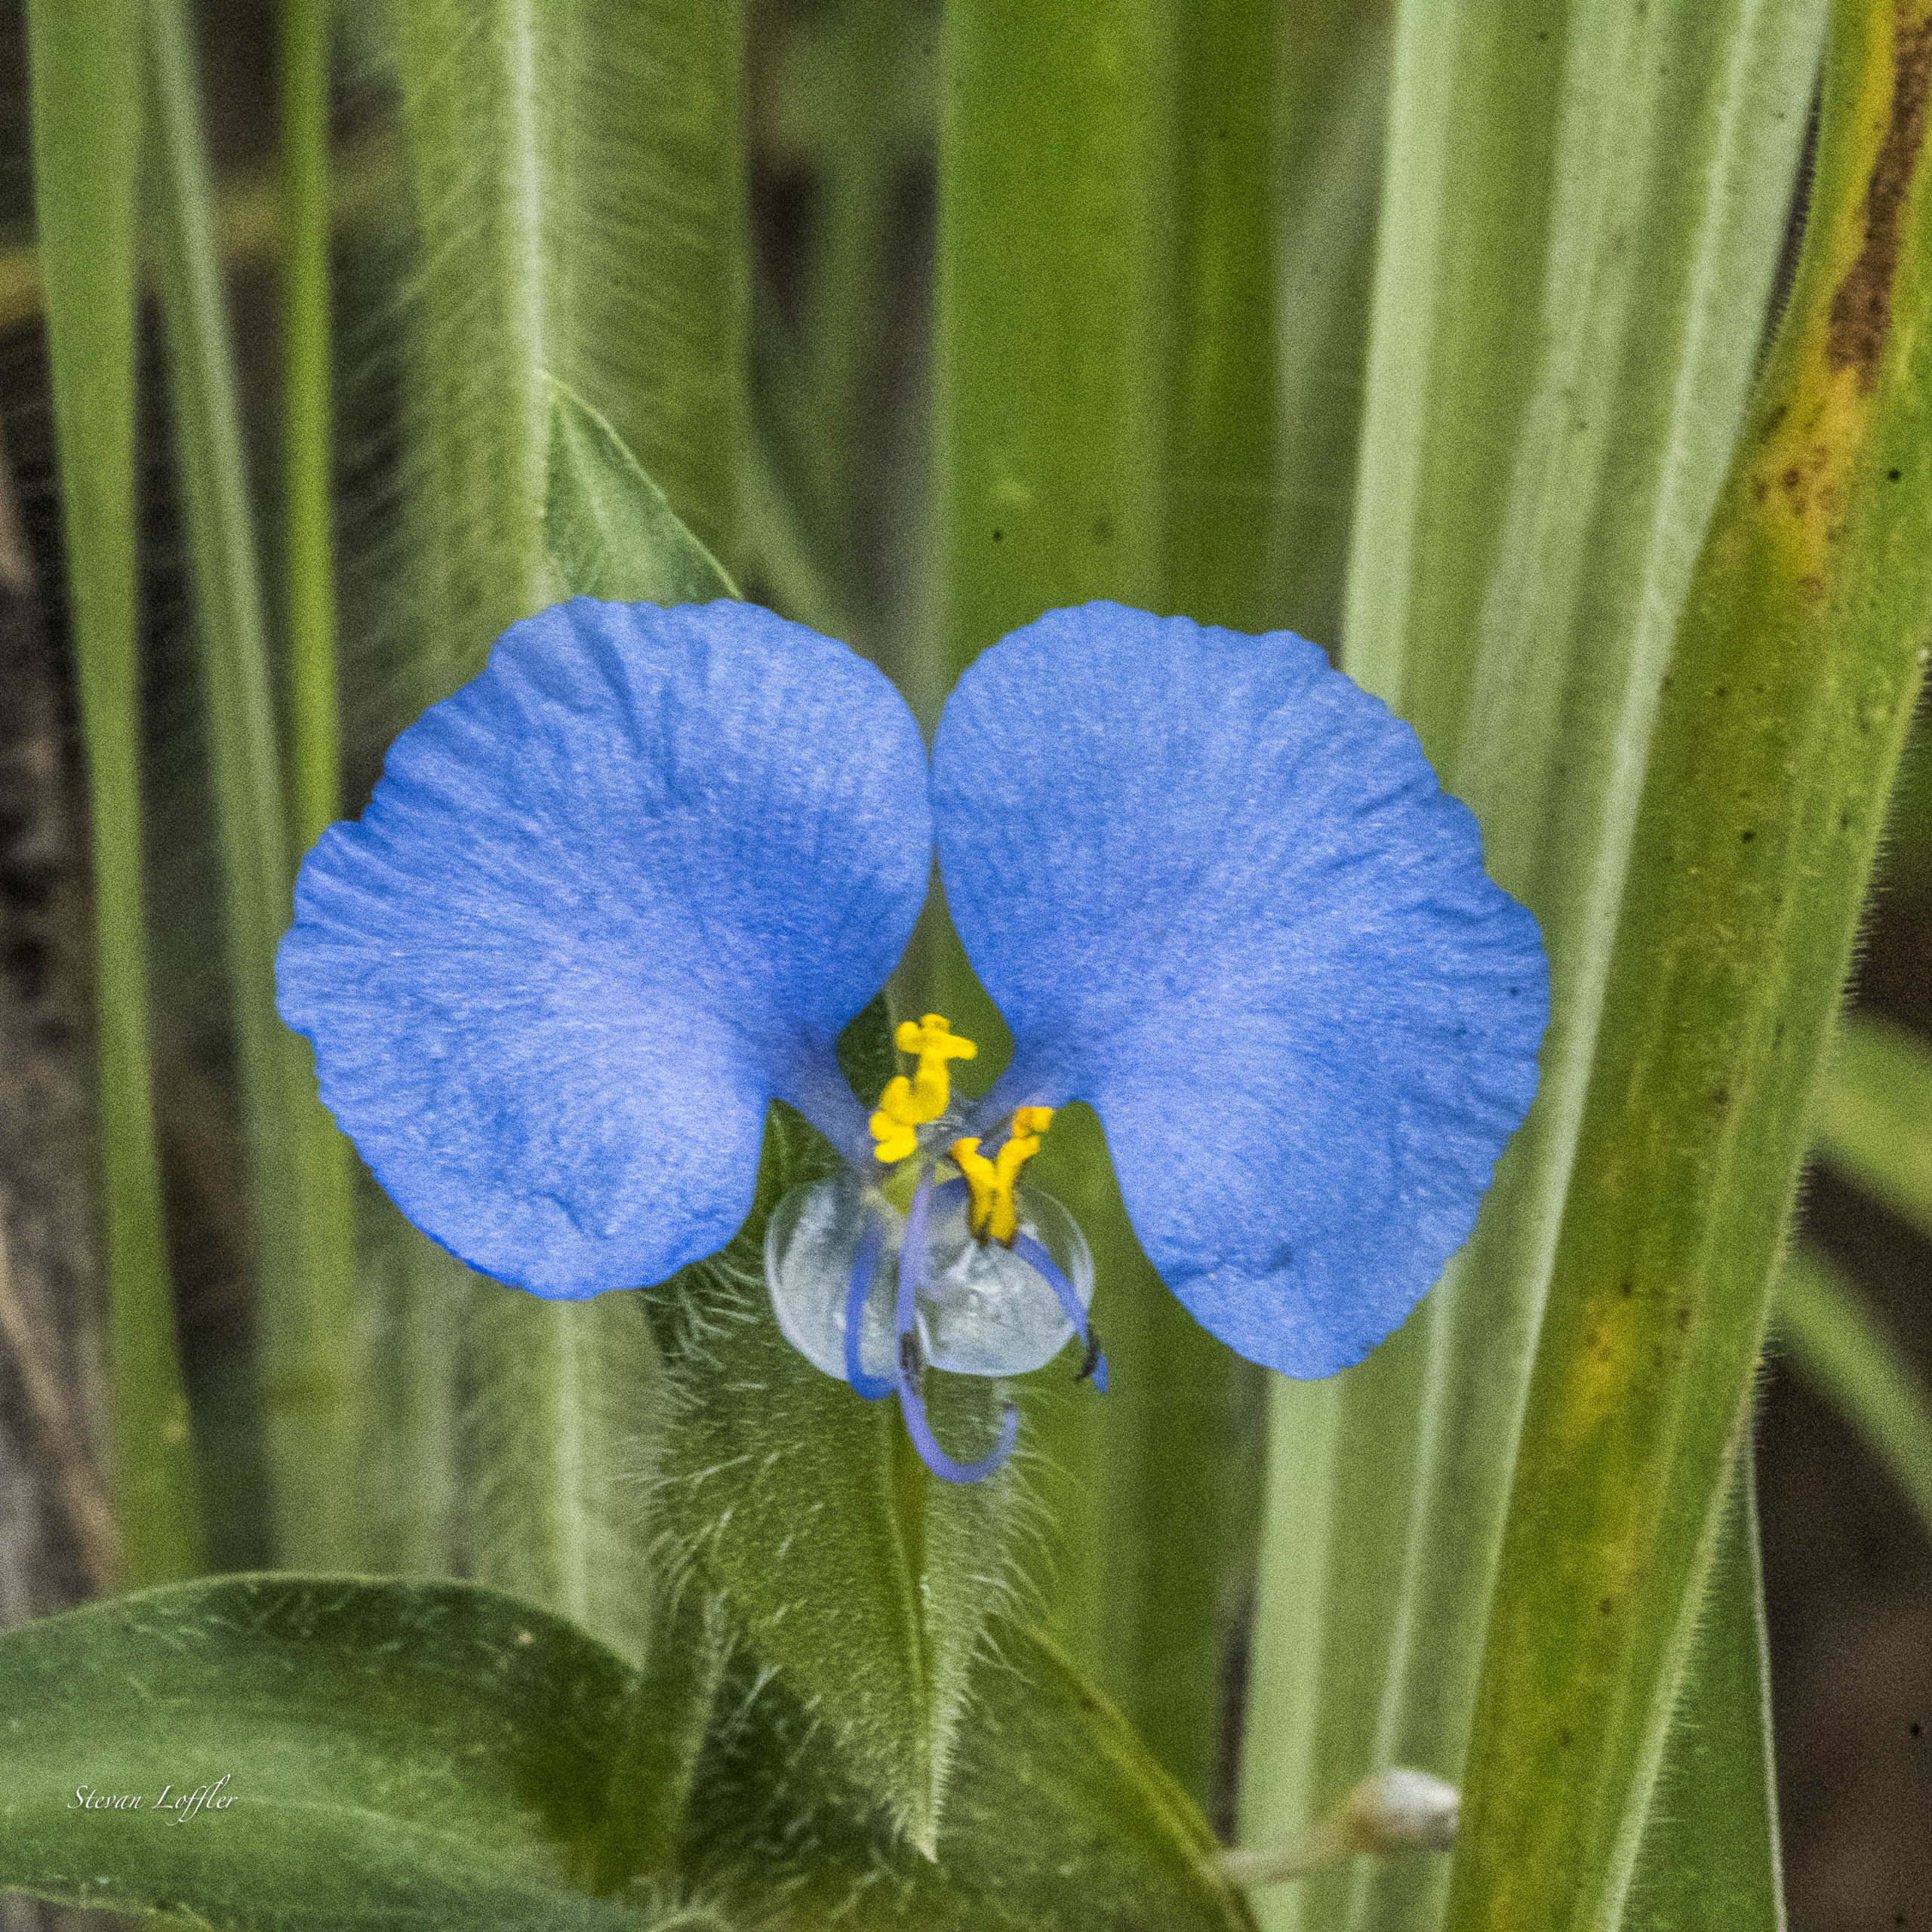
point(1710, 1860)
point(1874, 1121)
point(85, 64)
point(1060, 1821)
point(608, 528)
point(1334, 87)
point(863, 1580)
point(1048, 380)
point(395, 1754)
point(300, 1177)
point(1836, 1343)
point(1792, 681)
point(578, 175)
point(1584, 210)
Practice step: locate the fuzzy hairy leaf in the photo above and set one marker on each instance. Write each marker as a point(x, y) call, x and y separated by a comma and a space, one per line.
point(865, 1582)
point(1058, 1821)
point(1710, 1860)
point(397, 1754)
point(609, 530)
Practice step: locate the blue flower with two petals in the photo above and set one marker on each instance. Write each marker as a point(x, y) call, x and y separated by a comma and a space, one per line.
point(627, 887)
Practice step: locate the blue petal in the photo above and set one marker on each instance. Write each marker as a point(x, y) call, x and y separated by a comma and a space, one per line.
point(607, 901)
point(1217, 891)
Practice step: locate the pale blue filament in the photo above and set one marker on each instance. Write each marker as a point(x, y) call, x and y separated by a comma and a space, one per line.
point(912, 1265)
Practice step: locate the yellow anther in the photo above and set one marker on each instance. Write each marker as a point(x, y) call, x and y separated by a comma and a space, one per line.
point(894, 1124)
point(935, 1043)
point(993, 1215)
point(906, 1104)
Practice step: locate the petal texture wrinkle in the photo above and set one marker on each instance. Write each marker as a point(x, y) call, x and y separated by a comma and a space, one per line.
point(608, 899)
point(1217, 892)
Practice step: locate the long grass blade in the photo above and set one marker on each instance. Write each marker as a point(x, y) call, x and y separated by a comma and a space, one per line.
point(1172, 1493)
point(298, 1181)
point(1568, 189)
point(1792, 681)
point(1711, 1860)
point(85, 65)
point(315, 731)
point(1834, 1341)
point(1874, 1115)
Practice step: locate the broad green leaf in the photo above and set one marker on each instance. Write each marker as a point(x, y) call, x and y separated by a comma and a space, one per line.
point(1791, 685)
point(1710, 1860)
point(1836, 1343)
point(1060, 1821)
point(1874, 1122)
point(1583, 208)
point(300, 1180)
point(84, 60)
point(395, 1754)
point(609, 530)
point(864, 1581)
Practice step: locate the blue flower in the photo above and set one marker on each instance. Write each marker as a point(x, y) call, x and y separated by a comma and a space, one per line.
point(627, 887)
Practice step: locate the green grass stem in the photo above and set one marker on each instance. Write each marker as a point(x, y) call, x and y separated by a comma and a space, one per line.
point(304, 1261)
point(84, 57)
point(1834, 1340)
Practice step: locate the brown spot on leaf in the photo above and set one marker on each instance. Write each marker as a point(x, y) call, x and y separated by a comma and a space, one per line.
point(1862, 309)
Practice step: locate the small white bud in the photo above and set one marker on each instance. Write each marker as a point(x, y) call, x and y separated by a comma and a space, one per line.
point(1398, 1810)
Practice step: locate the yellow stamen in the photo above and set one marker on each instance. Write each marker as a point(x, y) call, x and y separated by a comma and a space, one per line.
point(906, 1104)
point(994, 1215)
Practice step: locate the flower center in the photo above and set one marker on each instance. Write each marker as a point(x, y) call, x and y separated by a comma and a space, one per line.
point(946, 1261)
point(907, 1104)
